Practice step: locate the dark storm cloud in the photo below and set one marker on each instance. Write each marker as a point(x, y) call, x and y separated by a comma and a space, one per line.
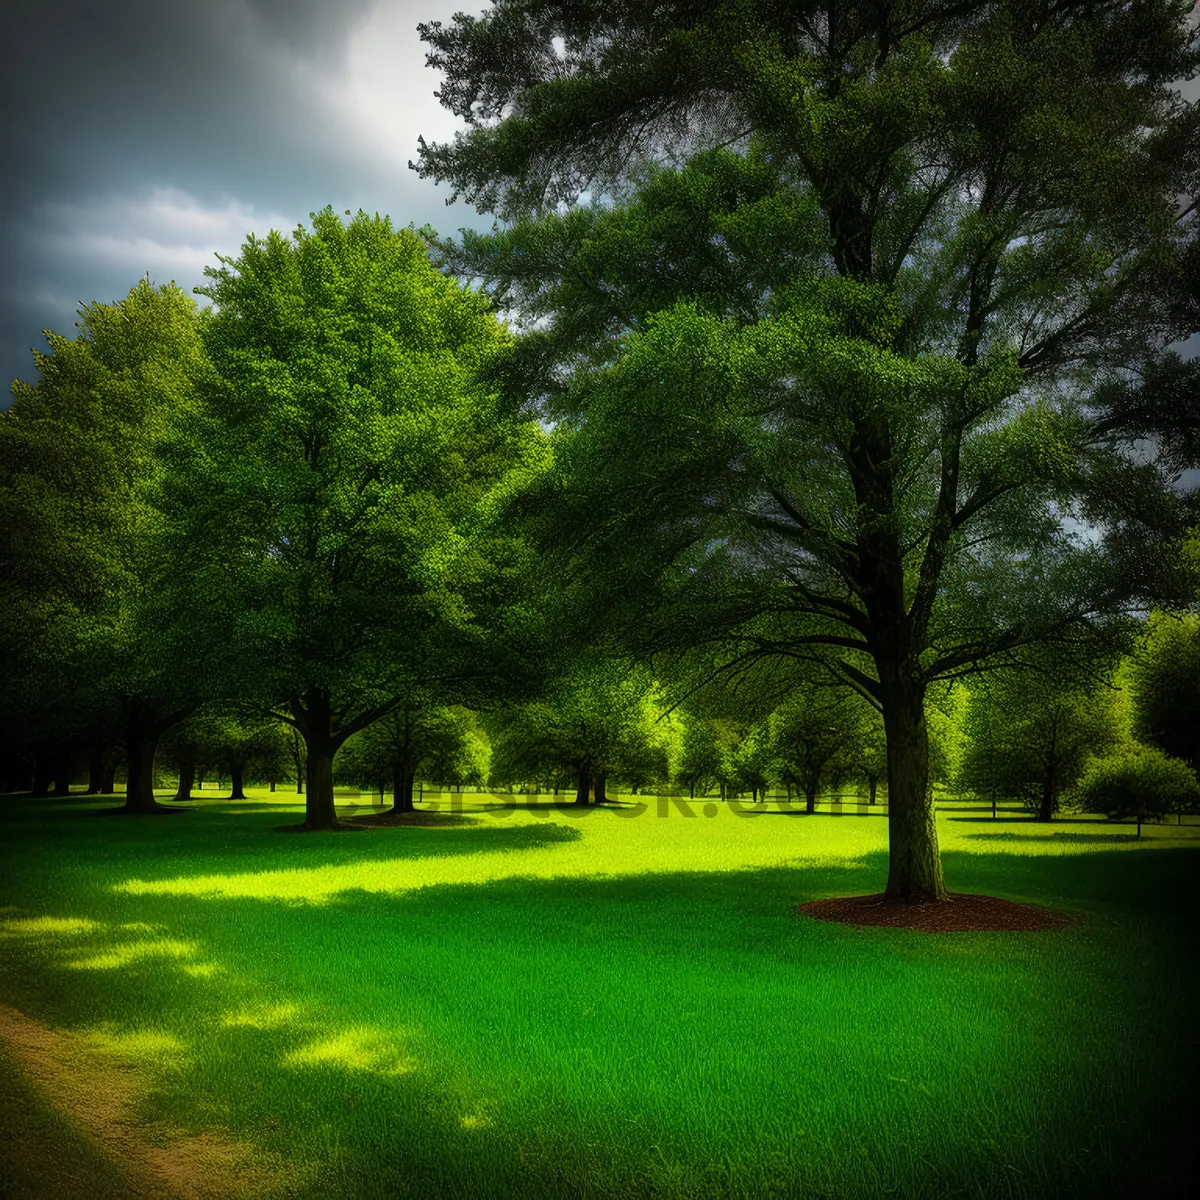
point(146, 135)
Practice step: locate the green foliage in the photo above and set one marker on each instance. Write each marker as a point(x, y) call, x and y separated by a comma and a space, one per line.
point(833, 380)
point(1165, 678)
point(598, 718)
point(814, 734)
point(333, 489)
point(1142, 783)
point(87, 575)
point(438, 744)
point(1030, 733)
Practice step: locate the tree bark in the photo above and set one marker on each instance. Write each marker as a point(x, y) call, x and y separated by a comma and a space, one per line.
point(873, 784)
point(95, 785)
point(402, 788)
point(187, 777)
point(585, 783)
point(810, 796)
point(319, 810)
point(237, 776)
point(140, 746)
point(1046, 808)
point(42, 779)
point(914, 863)
point(61, 766)
point(142, 732)
point(601, 781)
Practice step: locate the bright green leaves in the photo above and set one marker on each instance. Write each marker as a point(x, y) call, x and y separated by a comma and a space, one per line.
point(332, 479)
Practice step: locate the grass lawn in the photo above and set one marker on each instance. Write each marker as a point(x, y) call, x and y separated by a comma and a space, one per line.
point(541, 1003)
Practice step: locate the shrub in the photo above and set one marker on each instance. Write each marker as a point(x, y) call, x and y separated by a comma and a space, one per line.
point(1143, 783)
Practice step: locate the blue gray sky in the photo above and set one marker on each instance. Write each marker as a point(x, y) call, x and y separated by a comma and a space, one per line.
point(148, 135)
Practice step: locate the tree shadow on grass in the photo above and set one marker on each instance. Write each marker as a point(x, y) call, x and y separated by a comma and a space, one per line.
point(490, 971)
point(1082, 839)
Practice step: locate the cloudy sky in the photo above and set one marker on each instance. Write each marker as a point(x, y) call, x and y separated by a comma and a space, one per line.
point(148, 135)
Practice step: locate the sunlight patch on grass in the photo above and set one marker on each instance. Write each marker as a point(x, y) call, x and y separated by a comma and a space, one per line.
point(122, 956)
point(47, 926)
point(476, 1121)
point(355, 1049)
point(612, 845)
point(140, 1048)
point(264, 1016)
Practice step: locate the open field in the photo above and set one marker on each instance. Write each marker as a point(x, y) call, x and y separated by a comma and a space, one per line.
point(541, 1003)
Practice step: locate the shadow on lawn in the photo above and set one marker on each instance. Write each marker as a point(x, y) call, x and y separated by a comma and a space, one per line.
point(212, 840)
point(291, 1036)
point(1085, 839)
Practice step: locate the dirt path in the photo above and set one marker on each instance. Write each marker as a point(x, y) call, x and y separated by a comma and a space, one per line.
point(95, 1102)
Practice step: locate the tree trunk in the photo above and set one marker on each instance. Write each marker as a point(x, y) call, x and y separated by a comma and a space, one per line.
point(110, 778)
point(319, 810)
point(1046, 808)
point(140, 745)
point(402, 788)
point(42, 779)
point(873, 784)
point(914, 863)
point(272, 785)
point(601, 785)
point(237, 774)
point(95, 785)
point(810, 797)
point(585, 783)
point(187, 776)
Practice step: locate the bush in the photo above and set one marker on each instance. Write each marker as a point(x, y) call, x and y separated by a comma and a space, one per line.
point(1143, 783)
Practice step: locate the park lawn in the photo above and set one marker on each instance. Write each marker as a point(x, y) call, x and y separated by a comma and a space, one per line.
point(544, 1003)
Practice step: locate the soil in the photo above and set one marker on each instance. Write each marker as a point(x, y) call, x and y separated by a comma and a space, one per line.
point(104, 1103)
point(958, 913)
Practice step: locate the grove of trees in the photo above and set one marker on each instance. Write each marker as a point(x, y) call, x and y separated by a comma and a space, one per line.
point(819, 364)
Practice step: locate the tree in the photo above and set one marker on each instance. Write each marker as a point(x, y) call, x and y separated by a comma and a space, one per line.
point(836, 382)
point(868, 754)
point(596, 719)
point(703, 753)
point(334, 487)
point(1142, 783)
point(414, 737)
point(238, 740)
point(1166, 686)
point(813, 736)
point(1031, 733)
point(85, 565)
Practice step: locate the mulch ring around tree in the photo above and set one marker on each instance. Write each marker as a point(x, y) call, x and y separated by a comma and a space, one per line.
point(958, 913)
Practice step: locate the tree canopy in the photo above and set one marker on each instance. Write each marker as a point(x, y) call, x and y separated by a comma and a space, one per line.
point(85, 564)
point(856, 375)
point(334, 486)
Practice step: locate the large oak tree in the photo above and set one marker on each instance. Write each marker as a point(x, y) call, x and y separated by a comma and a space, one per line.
point(332, 494)
point(844, 379)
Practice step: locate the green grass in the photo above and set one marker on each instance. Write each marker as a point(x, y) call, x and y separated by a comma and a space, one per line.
point(541, 1003)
